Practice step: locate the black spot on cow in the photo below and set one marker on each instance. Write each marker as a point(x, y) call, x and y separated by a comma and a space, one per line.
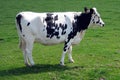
point(56, 25)
point(18, 19)
point(50, 31)
point(64, 49)
point(23, 35)
point(60, 25)
point(65, 46)
point(98, 21)
point(83, 21)
point(49, 21)
point(53, 27)
point(75, 17)
point(64, 15)
point(43, 29)
point(49, 17)
point(63, 27)
point(28, 23)
point(93, 21)
point(56, 17)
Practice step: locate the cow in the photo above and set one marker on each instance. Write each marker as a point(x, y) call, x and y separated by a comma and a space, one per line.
point(51, 28)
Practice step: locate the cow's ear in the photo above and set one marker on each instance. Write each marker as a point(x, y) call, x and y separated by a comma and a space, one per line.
point(91, 11)
point(85, 9)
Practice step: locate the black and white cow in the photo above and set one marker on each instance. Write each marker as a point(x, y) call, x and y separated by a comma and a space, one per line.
point(54, 28)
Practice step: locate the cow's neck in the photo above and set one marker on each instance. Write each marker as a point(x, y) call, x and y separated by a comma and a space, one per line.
point(83, 21)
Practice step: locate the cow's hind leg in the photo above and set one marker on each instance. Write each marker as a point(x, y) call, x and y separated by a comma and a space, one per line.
point(22, 45)
point(70, 54)
point(26, 46)
point(28, 52)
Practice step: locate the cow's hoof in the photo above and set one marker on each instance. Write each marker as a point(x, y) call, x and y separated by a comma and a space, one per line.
point(62, 64)
point(29, 65)
point(71, 60)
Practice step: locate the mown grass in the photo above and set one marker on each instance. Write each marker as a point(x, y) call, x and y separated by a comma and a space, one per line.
point(97, 57)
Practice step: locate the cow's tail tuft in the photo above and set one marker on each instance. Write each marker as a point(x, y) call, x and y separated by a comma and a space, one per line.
point(18, 21)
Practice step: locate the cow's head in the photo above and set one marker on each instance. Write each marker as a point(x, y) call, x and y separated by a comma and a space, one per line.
point(95, 18)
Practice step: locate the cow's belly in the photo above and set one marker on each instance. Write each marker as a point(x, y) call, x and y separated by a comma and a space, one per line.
point(48, 41)
point(76, 41)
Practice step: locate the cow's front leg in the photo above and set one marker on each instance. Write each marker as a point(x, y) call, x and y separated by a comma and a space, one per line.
point(70, 54)
point(62, 58)
point(65, 49)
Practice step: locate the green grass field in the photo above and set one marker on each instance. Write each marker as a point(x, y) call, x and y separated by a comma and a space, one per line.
point(96, 58)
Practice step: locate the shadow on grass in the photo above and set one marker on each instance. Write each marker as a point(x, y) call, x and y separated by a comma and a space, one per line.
point(39, 68)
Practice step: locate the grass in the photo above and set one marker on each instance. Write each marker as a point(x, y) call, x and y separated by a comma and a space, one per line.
point(96, 58)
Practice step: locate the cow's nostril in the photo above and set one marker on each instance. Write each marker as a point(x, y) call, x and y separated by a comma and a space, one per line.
point(103, 25)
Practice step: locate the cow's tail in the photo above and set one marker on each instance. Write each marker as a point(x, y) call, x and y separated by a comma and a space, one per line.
point(18, 22)
point(19, 30)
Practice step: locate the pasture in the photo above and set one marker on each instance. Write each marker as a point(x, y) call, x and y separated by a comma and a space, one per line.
point(97, 57)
